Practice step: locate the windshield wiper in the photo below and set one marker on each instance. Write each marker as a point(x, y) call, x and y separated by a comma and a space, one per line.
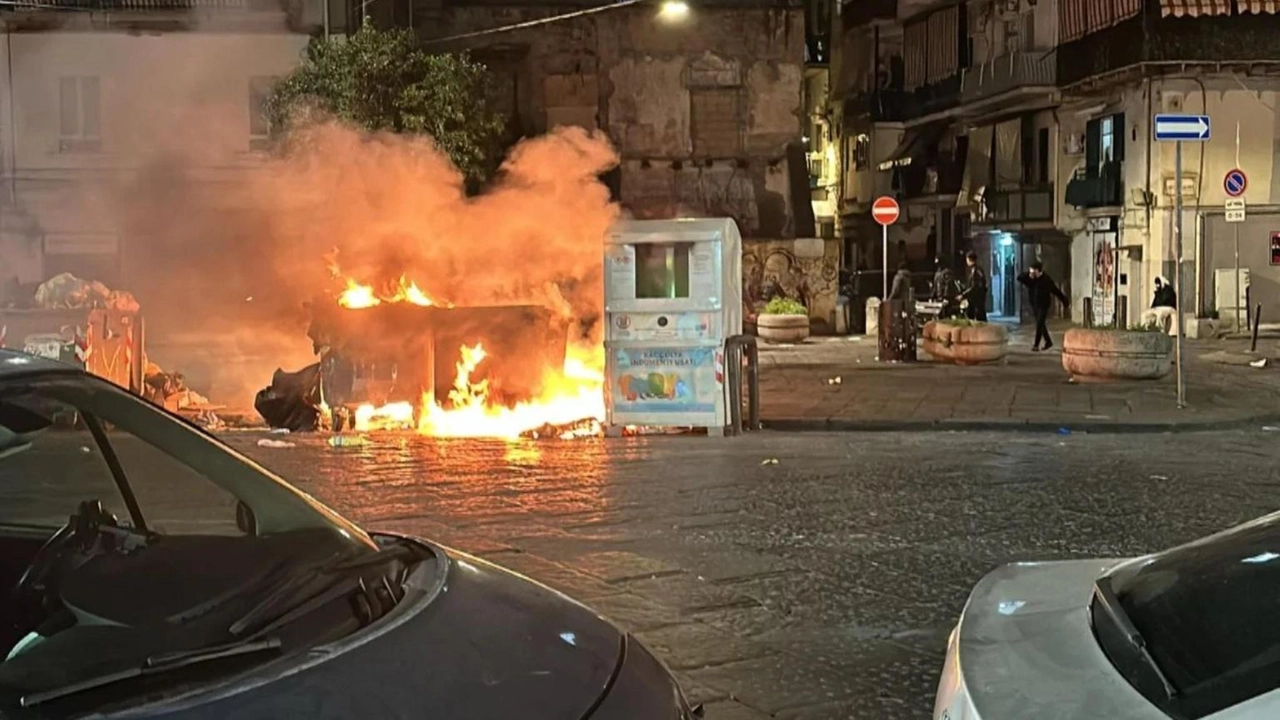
point(153, 665)
point(1106, 598)
point(335, 580)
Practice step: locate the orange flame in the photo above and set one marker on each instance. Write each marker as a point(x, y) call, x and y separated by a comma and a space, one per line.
point(574, 394)
point(358, 296)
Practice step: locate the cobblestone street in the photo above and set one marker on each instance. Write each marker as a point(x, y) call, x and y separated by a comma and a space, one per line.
point(822, 586)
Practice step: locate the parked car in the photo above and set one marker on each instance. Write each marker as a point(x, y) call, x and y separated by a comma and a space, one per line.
point(1187, 633)
point(155, 572)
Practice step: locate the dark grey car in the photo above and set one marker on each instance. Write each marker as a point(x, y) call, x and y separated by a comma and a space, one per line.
point(150, 571)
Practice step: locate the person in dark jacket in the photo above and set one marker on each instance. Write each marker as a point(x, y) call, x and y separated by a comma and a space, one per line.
point(975, 289)
point(901, 289)
point(1164, 306)
point(1042, 290)
point(944, 288)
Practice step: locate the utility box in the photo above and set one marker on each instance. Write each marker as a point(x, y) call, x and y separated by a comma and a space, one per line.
point(673, 295)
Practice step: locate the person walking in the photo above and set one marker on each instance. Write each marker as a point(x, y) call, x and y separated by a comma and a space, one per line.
point(1042, 290)
point(901, 289)
point(975, 289)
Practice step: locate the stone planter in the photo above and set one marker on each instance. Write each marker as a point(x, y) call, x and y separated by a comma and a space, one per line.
point(965, 344)
point(1116, 355)
point(782, 328)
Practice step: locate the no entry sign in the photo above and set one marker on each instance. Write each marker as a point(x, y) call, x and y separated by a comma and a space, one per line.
point(885, 210)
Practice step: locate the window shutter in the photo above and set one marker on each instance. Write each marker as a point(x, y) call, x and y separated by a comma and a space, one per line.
point(1092, 151)
point(1118, 132)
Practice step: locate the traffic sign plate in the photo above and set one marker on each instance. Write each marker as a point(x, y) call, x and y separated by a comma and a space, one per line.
point(1182, 128)
point(1235, 183)
point(1234, 210)
point(885, 210)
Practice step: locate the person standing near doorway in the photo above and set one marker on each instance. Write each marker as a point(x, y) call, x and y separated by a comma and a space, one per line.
point(1042, 290)
point(975, 289)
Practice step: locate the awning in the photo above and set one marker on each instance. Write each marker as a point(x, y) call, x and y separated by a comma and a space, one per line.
point(1259, 7)
point(1194, 8)
point(915, 141)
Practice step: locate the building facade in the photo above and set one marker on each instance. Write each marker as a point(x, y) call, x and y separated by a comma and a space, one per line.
point(1022, 130)
point(88, 99)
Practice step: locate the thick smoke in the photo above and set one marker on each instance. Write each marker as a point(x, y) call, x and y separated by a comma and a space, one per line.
point(242, 259)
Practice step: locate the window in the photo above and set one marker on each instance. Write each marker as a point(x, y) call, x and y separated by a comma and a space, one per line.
point(61, 466)
point(64, 465)
point(662, 270)
point(1106, 140)
point(259, 125)
point(1204, 610)
point(716, 122)
point(861, 159)
point(79, 114)
point(1104, 143)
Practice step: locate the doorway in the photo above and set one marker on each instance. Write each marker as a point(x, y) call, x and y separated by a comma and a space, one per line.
point(1004, 277)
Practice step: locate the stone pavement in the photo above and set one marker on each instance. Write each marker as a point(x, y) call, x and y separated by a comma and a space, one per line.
point(819, 587)
point(836, 383)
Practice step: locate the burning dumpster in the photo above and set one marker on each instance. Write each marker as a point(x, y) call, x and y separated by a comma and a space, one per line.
point(399, 352)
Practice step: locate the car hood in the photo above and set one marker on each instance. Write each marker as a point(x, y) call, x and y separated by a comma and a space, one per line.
point(1025, 648)
point(488, 644)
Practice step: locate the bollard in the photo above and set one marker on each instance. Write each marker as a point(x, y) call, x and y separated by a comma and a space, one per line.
point(897, 335)
point(1257, 323)
point(1122, 312)
point(736, 348)
point(1087, 311)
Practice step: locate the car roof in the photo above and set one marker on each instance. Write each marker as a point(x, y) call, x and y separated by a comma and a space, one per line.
point(14, 363)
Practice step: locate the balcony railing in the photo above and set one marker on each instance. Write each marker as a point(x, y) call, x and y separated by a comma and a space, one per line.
point(1104, 189)
point(1007, 73)
point(1152, 38)
point(903, 105)
point(1020, 205)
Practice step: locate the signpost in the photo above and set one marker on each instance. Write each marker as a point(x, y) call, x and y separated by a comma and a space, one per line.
point(1178, 129)
point(1234, 185)
point(885, 211)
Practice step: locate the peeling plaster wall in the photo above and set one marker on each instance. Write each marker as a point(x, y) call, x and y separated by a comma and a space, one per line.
point(702, 111)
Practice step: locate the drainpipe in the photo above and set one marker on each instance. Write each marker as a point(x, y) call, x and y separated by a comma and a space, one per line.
point(1150, 133)
point(11, 160)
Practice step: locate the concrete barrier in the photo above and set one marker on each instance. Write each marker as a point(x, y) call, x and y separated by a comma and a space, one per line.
point(1116, 355)
point(782, 328)
point(965, 344)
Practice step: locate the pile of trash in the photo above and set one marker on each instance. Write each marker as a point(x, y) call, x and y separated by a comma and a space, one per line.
point(169, 390)
point(66, 291)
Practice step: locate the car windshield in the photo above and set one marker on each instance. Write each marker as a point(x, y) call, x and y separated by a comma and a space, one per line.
point(1204, 611)
point(167, 538)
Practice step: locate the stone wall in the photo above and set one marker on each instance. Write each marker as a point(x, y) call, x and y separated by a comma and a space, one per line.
point(704, 112)
point(805, 269)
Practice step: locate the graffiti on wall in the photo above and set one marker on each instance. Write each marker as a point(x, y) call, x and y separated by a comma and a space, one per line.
point(771, 268)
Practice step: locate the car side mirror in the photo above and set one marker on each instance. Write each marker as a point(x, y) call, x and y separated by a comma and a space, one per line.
point(245, 519)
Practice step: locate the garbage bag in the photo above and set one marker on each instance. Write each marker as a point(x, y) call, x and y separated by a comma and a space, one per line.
point(292, 401)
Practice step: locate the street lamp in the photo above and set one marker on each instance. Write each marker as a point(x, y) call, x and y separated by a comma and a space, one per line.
point(668, 11)
point(672, 10)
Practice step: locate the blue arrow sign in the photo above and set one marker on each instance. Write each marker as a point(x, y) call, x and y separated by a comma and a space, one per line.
point(1182, 128)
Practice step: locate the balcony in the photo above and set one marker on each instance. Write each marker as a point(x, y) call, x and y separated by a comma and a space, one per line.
point(1104, 189)
point(923, 179)
point(865, 12)
point(1015, 74)
point(1149, 38)
point(904, 105)
point(1020, 206)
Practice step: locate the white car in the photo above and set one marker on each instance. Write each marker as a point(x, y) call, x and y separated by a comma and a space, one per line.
point(1188, 633)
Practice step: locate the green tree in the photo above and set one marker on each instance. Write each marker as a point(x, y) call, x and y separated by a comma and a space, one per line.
point(382, 80)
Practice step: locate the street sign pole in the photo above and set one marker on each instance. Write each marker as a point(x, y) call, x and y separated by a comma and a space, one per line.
point(884, 262)
point(1236, 237)
point(1178, 129)
point(1177, 270)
